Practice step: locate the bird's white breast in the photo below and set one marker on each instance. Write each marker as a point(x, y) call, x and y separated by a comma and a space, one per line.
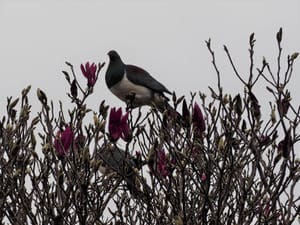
point(125, 88)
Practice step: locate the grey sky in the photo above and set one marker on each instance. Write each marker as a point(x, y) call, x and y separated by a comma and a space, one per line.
point(164, 37)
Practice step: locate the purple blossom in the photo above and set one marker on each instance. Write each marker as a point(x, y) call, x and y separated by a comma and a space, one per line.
point(185, 114)
point(126, 132)
point(284, 146)
point(74, 91)
point(118, 125)
point(89, 72)
point(63, 141)
point(162, 163)
point(283, 106)
point(198, 119)
point(266, 210)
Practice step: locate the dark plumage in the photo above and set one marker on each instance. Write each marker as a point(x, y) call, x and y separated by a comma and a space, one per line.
point(132, 84)
point(126, 166)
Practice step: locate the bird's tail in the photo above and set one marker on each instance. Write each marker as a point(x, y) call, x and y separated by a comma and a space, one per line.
point(128, 168)
point(139, 189)
point(163, 106)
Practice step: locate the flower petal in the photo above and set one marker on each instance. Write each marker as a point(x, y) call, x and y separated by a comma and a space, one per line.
point(83, 70)
point(63, 141)
point(198, 119)
point(114, 126)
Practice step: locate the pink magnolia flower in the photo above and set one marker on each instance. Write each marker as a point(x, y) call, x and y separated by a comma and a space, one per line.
point(284, 146)
point(74, 91)
point(198, 119)
point(89, 72)
point(203, 177)
point(266, 210)
point(118, 125)
point(162, 163)
point(185, 114)
point(126, 132)
point(63, 141)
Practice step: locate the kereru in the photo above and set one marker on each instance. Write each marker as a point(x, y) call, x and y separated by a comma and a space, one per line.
point(134, 85)
point(114, 159)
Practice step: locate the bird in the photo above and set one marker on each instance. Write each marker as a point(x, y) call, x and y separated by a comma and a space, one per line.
point(134, 85)
point(115, 159)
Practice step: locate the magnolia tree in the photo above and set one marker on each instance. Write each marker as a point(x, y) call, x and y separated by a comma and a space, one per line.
point(215, 160)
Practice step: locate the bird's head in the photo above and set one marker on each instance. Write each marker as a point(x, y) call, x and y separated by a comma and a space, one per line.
point(113, 55)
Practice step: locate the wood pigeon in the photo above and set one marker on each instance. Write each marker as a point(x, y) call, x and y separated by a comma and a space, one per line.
point(134, 85)
point(114, 159)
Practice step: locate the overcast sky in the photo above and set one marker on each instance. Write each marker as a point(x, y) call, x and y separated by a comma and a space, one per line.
point(165, 37)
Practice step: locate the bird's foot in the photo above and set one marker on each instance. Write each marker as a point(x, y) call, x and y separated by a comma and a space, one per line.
point(130, 99)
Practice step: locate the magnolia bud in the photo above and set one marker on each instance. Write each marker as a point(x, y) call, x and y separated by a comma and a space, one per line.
point(42, 96)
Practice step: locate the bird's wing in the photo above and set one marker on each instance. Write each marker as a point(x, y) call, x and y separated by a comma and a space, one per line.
point(141, 77)
point(117, 160)
point(124, 165)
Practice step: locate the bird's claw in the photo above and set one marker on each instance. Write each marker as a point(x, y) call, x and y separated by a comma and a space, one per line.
point(130, 99)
